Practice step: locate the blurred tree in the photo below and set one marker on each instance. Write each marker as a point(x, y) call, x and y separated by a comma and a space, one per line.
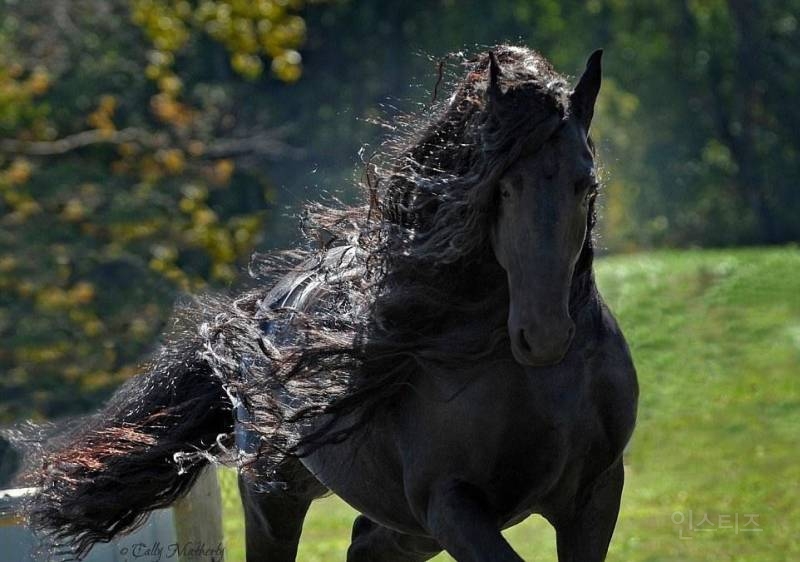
point(717, 156)
point(695, 129)
point(130, 170)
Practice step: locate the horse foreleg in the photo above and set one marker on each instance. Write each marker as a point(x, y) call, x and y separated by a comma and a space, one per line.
point(372, 542)
point(461, 521)
point(585, 536)
point(274, 517)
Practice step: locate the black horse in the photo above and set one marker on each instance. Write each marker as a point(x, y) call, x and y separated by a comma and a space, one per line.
point(442, 360)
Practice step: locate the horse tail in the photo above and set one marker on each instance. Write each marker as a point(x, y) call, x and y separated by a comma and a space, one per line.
point(99, 476)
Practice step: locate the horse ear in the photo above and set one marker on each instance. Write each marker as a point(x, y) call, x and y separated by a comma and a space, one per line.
point(495, 72)
point(585, 93)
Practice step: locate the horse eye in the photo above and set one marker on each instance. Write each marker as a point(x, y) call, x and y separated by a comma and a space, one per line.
point(505, 194)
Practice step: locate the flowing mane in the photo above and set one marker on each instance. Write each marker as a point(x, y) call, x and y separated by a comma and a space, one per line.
point(405, 282)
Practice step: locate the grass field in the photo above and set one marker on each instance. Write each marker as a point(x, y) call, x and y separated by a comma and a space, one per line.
point(716, 339)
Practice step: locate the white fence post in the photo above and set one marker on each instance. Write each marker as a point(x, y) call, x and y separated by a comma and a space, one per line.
point(198, 521)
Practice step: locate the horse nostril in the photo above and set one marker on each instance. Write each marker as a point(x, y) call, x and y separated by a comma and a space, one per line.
point(570, 332)
point(523, 342)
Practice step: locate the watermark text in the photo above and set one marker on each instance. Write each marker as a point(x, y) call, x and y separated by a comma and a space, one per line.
point(159, 552)
point(690, 522)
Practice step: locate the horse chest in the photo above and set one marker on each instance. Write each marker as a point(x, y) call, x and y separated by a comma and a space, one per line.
point(510, 440)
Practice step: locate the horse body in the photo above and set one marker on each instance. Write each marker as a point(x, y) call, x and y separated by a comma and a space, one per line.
point(522, 440)
point(445, 364)
point(537, 425)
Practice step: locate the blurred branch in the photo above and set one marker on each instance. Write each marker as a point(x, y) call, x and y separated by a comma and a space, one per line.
point(263, 144)
point(79, 140)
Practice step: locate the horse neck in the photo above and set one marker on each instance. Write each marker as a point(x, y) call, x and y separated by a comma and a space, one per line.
point(583, 287)
point(486, 272)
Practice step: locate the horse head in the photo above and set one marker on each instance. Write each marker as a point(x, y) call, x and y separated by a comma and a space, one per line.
point(544, 208)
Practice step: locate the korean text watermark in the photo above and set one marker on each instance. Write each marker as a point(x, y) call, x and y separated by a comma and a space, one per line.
point(690, 522)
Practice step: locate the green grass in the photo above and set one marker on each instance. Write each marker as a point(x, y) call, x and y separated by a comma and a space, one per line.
point(716, 340)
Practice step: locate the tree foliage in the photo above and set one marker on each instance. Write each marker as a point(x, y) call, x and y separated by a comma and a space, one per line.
point(129, 172)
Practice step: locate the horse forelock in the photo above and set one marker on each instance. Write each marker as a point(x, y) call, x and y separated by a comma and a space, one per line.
point(437, 194)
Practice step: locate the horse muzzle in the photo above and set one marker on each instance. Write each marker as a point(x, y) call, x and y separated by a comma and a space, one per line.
point(541, 346)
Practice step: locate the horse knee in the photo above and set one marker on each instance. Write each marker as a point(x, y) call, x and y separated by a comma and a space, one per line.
point(359, 539)
point(373, 543)
point(357, 553)
point(361, 526)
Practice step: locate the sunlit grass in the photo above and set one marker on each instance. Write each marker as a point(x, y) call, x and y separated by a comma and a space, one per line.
point(716, 339)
